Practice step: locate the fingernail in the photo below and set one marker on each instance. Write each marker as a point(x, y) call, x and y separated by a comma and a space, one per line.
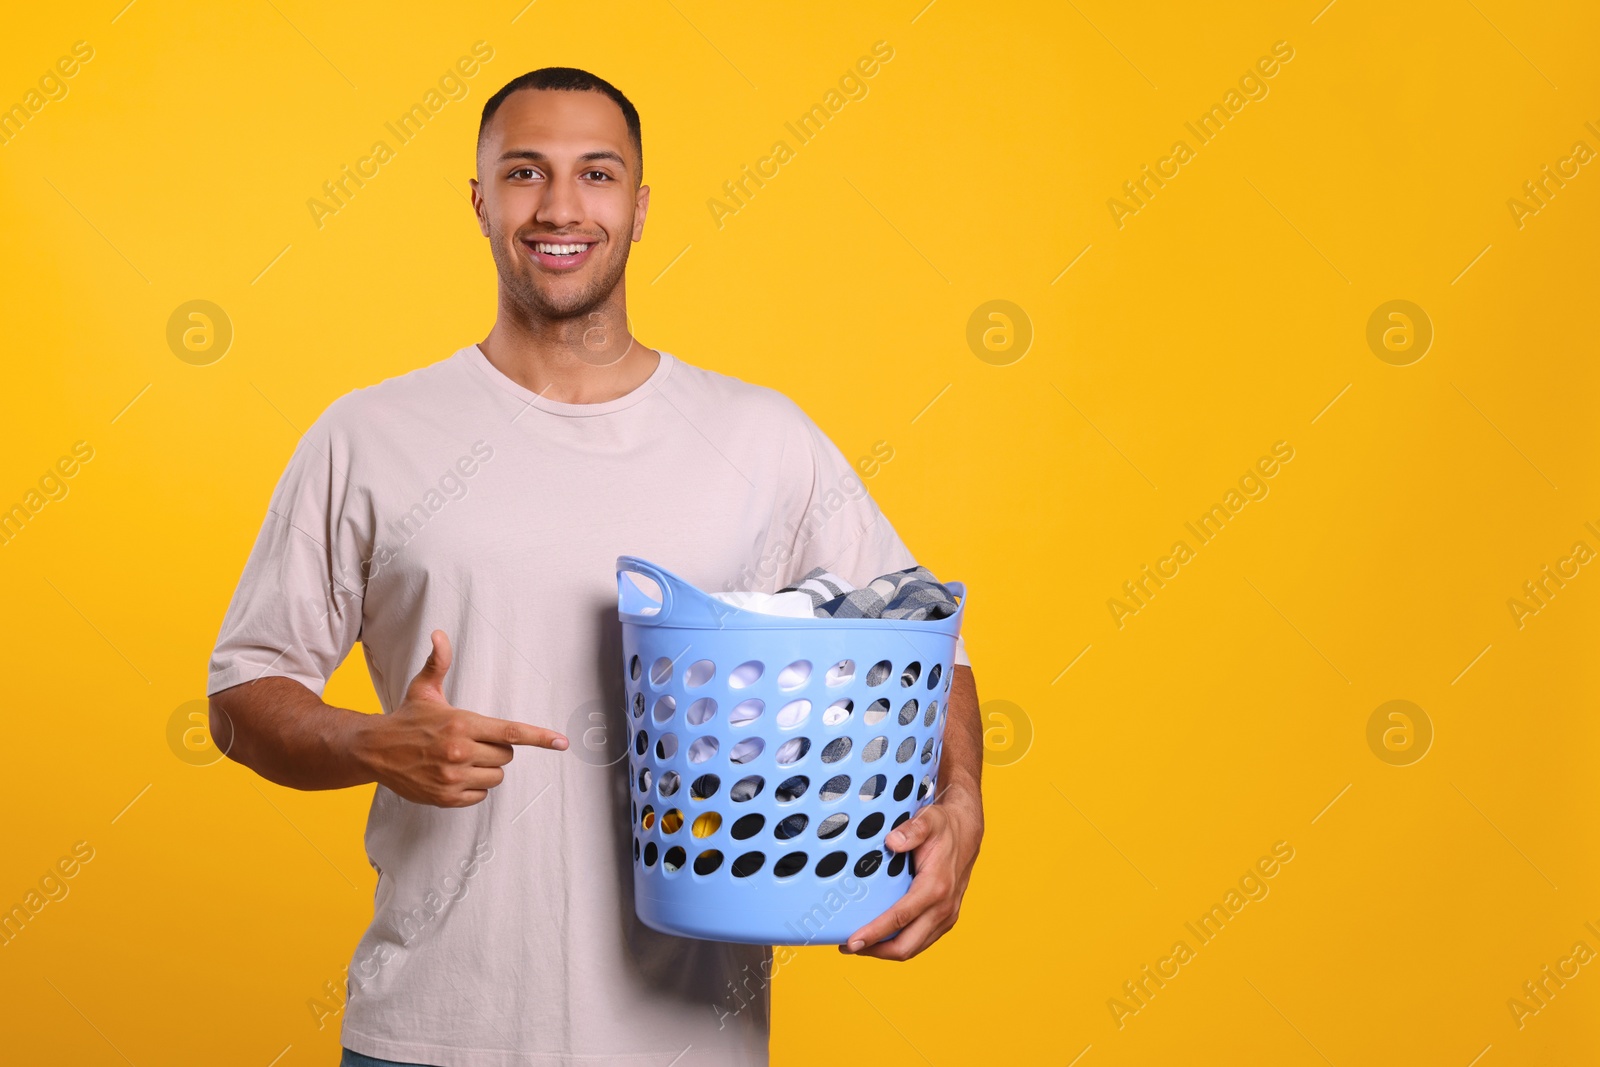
point(895, 840)
point(856, 944)
point(560, 742)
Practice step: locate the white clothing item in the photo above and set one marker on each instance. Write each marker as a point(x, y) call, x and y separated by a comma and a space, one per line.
point(451, 497)
point(793, 605)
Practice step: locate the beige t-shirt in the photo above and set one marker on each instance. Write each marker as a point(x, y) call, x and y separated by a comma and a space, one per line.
point(454, 498)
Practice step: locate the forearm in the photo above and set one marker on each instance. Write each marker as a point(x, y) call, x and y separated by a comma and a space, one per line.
point(961, 765)
point(285, 733)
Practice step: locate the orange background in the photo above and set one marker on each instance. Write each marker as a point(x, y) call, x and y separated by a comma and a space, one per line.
point(1136, 772)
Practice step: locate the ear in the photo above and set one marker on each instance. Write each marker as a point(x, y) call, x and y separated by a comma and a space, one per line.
point(641, 207)
point(477, 206)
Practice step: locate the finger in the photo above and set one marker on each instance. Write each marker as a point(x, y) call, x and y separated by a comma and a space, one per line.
point(466, 798)
point(914, 831)
point(511, 732)
point(477, 779)
point(431, 676)
point(928, 890)
point(489, 754)
point(928, 928)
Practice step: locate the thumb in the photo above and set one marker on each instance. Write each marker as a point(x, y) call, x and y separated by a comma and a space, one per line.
point(431, 677)
point(912, 833)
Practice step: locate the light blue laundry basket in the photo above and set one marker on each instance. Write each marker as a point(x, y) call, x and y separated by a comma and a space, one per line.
point(769, 757)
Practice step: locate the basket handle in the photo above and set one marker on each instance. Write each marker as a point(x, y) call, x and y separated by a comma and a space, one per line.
point(634, 604)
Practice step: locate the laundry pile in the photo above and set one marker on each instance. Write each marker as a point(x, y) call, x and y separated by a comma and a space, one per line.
point(913, 594)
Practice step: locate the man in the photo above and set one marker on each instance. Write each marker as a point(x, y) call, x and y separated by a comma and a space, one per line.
point(467, 517)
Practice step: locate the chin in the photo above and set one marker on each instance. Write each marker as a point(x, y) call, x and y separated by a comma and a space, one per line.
point(570, 308)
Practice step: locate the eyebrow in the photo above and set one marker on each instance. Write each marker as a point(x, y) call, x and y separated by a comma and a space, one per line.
point(539, 157)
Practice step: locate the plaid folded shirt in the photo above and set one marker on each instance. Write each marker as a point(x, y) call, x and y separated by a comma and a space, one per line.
point(913, 593)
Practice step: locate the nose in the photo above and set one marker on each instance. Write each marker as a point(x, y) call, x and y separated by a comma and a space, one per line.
point(561, 205)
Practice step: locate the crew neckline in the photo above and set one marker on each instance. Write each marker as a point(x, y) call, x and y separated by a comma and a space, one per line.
point(475, 355)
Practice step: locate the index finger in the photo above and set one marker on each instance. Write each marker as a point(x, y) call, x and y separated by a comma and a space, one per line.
point(923, 895)
point(510, 732)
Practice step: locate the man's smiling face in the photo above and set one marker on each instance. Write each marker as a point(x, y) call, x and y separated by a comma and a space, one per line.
point(558, 197)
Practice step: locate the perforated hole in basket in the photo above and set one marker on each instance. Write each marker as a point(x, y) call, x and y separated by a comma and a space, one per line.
point(908, 712)
point(702, 749)
point(876, 712)
point(903, 787)
point(873, 788)
point(907, 749)
point(933, 675)
point(701, 711)
point(839, 674)
point(930, 712)
point(832, 826)
point(793, 750)
point(746, 712)
point(661, 672)
point(789, 865)
point(644, 780)
point(879, 673)
point(790, 827)
point(792, 789)
point(746, 788)
point(909, 676)
point(795, 674)
point(666, 747)
point(633, 668)
point(793, 714)
point(874, 749)
point(674, 858)
point(747, 750)
point(704, 787)
point(747, 826)
point(747, 864)
point(699, 673)
point(869, 825)
point(707, 861)
point(835, 787)
point(927, 751)
point(836, 750)
point(706, 824)
point(638, 704)
point(671, 821)
point(868, 863)
point(650, 851)
point(669, 782)
point(838, 712)
point(831, 864)
point(745, 674)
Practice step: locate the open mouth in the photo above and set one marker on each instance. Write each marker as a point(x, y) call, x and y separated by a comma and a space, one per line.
point(559, 255)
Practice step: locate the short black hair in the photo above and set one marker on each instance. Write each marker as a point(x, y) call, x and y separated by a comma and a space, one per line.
point(568, 79)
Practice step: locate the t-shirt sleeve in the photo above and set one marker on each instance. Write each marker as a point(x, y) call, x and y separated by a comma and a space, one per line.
point(834, 522)
point(296, 611)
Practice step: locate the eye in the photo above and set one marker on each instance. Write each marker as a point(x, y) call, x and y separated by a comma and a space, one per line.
point(521, 170)
point(599, 173)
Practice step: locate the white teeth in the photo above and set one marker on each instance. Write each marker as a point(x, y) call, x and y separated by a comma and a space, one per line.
point(559, 250)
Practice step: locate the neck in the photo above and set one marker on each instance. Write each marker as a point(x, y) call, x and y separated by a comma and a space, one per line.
point(585, 360)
